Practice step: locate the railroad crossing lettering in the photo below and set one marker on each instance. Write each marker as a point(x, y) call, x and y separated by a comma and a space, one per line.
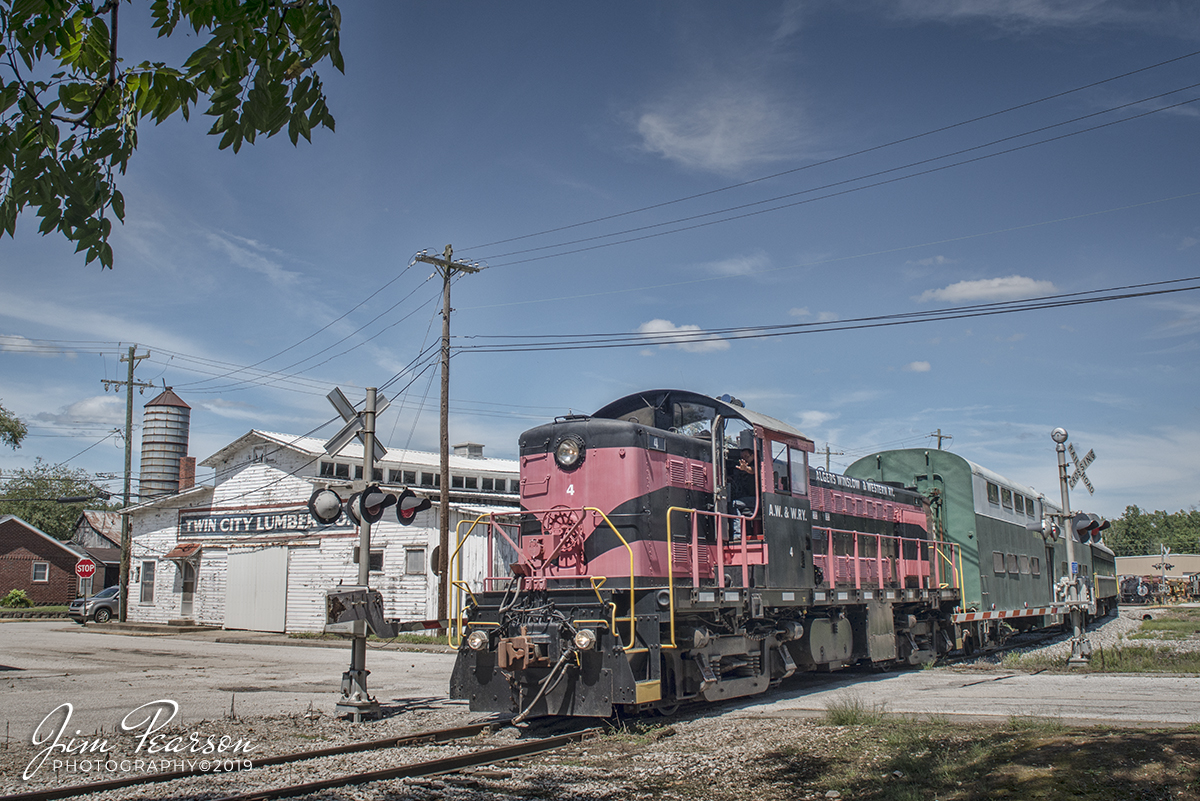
point(1080, 466)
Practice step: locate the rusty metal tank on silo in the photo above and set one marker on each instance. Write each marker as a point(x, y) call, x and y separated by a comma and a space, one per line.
point(165, 424)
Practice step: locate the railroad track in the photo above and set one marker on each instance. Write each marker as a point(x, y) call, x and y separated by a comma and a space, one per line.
point(434, 767)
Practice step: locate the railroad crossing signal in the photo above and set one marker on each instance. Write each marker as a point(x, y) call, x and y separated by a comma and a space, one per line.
point(1080, 466)
point(354, 424)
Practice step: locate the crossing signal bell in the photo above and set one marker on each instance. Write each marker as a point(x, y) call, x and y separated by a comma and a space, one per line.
point(1088, 527)
point(325, 506)
point(407, 506)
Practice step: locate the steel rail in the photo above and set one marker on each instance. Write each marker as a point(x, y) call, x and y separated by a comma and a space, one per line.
point(431, 768)
point(435, 736)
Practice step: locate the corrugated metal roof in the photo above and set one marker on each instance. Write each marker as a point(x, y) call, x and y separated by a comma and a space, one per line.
point(107, 524)
point(311, 446)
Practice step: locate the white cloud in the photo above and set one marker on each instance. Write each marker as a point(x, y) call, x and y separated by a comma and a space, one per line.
point(739, 265)
point(96, 410)
point(933, 261)
point(1188, 242)
point(722, 128)
point(15, 343)
point(1012, 287)
point(249, 254)
point(684, 337)
point(917, 367)
point(1024, 15)
point(820, 317)
point(95, 324)
point(812, 419)
point(234, 410)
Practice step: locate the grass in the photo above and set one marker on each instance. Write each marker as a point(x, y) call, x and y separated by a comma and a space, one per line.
point(901, 759)
point(1139, 653)
point(851, 711)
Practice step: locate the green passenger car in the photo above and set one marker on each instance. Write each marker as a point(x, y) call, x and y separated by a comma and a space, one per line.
point(1007, 563)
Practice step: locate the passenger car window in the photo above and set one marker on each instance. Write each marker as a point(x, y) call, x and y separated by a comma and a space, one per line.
point(993, 492)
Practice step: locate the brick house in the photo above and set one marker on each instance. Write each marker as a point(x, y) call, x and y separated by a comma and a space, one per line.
point(33, 561)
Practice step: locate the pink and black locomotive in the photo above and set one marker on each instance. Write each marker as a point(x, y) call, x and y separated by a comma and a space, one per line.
point(675, 547)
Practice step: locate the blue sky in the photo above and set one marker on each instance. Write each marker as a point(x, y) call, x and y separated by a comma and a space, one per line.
point(472, 123)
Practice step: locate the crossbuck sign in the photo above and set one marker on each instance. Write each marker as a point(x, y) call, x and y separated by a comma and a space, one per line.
point(1080, 466)
point(354, 424)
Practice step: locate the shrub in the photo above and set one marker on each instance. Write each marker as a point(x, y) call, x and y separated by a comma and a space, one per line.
point(16, 599)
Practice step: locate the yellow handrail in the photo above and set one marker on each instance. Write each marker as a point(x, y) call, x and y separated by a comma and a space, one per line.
point(632, 595)
point(953, 569)
point(455, 629)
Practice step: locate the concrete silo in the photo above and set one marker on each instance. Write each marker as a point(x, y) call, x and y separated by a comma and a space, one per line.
point(165, 423)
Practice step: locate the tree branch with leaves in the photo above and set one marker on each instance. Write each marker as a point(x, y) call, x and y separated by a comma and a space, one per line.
point(12, 430)
point(70, 107)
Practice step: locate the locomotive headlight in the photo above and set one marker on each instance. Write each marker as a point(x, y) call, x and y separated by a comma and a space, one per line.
point(569, 452)
point(585, 639)
point(477, 640)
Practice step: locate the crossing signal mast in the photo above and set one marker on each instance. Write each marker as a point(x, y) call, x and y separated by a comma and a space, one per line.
point(1085, 529)
point(366, 506)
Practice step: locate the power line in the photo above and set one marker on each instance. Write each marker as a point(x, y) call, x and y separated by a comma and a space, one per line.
point(699, 336)
point(824, 162)
point(919, 173)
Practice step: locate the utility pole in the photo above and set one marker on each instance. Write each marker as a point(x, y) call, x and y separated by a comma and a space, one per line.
point(940, 436)
point(126, 535)
point(1080, 647)
point(829, 453)
point(448, 268)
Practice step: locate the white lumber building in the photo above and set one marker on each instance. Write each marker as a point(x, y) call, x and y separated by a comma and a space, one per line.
point(246, 554)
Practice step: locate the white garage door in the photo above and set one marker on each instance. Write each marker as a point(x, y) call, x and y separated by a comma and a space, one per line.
point(256, 590)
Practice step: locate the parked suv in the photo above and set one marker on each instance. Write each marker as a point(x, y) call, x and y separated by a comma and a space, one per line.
point(101, 607)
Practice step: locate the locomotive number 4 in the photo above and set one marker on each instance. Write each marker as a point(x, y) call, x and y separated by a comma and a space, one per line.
point(571, 489)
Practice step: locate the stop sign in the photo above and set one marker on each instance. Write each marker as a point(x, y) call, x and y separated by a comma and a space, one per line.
point(85, 568)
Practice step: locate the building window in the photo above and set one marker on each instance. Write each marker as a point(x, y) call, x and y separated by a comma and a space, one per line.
point(414, 561)
point(377, 474)
point(431, 480)
point(1006, 498)
point(147, 594)
point(514, 486)
point(489, 485)
point(358, 472)
point(998, 562)
point(85, 587)
point(993, 491)
point(410, 476)
point(41, 572)
point(456, 482)
point(472, 482)
point(1035, 566)
point(334, 470)
point(376, 556)
point(1014, 566)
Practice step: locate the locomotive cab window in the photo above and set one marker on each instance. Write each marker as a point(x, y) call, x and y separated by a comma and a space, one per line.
point(790, 469)
point(692, 419)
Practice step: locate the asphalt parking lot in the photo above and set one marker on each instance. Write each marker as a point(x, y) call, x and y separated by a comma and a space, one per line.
point(105, 674)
